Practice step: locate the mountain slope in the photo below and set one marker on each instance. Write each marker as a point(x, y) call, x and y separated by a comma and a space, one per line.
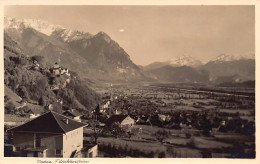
point(96, 56)
point(233, 70)
point(183, 74)
point(107, 57)
point(36, 83)
point(35, 43)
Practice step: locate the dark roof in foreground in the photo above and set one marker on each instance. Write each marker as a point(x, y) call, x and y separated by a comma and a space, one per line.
point(116, 118)
point(49, 122)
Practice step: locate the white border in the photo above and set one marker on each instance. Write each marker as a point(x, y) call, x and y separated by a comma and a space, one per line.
point(17, 160)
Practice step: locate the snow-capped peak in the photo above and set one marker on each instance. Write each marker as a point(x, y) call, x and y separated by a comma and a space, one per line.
point(69, 35)
point(45, 28)
point(224, 57)
point(233, 57)
point(185, 60)
point(39, 25)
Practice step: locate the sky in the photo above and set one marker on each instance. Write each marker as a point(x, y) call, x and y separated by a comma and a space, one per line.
point(157, 33)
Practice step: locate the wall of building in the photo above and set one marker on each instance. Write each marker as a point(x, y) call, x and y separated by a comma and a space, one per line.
point(50, 141)
point(72, 141)
point(91, 152)
point(77, 118)
point(128, 121)
point(23, 140)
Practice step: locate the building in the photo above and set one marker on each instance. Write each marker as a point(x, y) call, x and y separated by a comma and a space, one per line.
point(35, 112)
point(105, 104)
point(73, 113)
point(124, 120)
point(64, 71)
point(49, 135)
point(56, 69)
point(90, 151)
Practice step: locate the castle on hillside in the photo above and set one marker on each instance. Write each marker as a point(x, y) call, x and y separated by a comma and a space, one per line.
point(57, 70)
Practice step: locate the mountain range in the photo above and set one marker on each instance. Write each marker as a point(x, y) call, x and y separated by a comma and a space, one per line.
point(93, 56)
point(98, 57)
point(29, 78)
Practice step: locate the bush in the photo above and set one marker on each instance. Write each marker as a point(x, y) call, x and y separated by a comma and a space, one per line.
point(41, 101)
point(38, 58)
point(6, 98)
point(151, 154)
point(162, 155)
point(9, 107)
point(162, 135)
point(191, 143)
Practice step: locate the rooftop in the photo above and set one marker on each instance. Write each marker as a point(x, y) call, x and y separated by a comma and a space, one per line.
point(73, 112)
point(116, 118)
point(49, 122)
point(36, 110)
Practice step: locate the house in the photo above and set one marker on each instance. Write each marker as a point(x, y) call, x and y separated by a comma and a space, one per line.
point(105, 104)
point(23, 104)
point(36, 65)
point(124, 120)
point(90, 151)
point(49, 135)
point(143, 120)
point(162, 117)
point(35, 112)
point(64, 71)
point(73, 113)
point(56, 69)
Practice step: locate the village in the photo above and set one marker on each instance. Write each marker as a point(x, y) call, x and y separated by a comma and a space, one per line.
point(141, 120)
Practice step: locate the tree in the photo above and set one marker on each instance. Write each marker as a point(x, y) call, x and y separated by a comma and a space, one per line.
point(57, 107)
point(42, 83)
point(38, 58)
point(162, 155)
point(162, 135)
point(6, 98)
point(116, 129)
point(94, 124)
point(9, 107)
point(41, 101)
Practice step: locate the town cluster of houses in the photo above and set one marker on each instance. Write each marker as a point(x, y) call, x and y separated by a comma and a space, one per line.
point(50, 134)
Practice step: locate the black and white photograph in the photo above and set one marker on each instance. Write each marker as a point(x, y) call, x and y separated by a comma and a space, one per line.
point(129, 81)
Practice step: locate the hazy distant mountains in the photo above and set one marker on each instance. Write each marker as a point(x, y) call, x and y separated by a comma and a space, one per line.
point(231, 71)
point(183, 74)
point(184, 60)
point(224, 68)
point(95, 56)
point(100, 57)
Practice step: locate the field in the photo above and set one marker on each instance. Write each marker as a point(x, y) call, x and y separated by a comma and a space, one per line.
point(208, 103)
point(177, 144)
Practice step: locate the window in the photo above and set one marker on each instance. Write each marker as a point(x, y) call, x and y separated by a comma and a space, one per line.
point(58, 151)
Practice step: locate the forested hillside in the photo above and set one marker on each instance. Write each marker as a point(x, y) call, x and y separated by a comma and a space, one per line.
point(45, 84)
